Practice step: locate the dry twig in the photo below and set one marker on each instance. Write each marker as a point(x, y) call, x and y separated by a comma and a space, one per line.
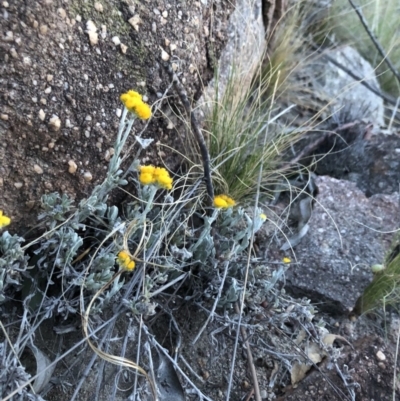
point(180, 90)
point(375, 41)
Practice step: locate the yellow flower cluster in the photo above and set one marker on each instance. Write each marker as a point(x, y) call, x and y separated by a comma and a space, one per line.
point(125, 261)
point(286, 260)
point(263, 216)
point(133, 102)
point(155, 175)
point(4, 220)
point(223, 202)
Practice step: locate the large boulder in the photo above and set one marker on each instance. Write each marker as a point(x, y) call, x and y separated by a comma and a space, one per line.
point(63, 67)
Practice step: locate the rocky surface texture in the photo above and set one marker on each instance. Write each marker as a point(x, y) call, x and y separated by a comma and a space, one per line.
point(63, 67)
point(348, 234)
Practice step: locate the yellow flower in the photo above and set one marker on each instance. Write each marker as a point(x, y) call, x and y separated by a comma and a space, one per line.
point(133, 102)
point(155, 175)
point(146, 178)
point(125, 261)
point(165, 182)
point(286, 260)
point(4, 220)
point(147, 169)
point(223, 202)
point(263, 216)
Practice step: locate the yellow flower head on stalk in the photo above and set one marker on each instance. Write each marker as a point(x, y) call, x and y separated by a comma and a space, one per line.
point(4, 220)
point(223, 202)
point(263, 216)
point(286, 260)
point(133, 102)
point(125, 261)
point(155, 175)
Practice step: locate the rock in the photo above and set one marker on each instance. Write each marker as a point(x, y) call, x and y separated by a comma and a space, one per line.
point(341, 90)
point(79, 87)
point(345, 238)
point(72, 167)
point(243, 51)
point(372, 163)
point(55, 123)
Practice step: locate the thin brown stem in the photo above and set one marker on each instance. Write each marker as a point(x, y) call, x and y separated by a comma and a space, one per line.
point(375, 41)
point(180, 90)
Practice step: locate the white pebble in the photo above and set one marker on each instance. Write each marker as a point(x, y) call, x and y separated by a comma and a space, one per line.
point(55, 123)
point(123, 48)
point(42, 115)
point(72, 167)
point(78, 18)
point(381, 356)
point(165, 14)
point(4, 117)
point(38, 169)
point(164, 55)
point(13, 53)
point(18, 185)
point(115, 40)
point(135, 21)
point(118, 112)
point(43, 29)
point(87, 175)
point(98, 7)
point(49, 77)
point(47, 90)
point(62, 13)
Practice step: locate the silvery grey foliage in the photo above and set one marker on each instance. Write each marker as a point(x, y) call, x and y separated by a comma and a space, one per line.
point(13, 262)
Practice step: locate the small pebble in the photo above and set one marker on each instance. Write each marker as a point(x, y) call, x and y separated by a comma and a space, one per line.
point(62, 13)
point(164, 55)
point(4, 117)
point(172, 47)
point(123, 48)
point(78, 18)
point(165, 14)
point(9, 36)
point(49, 77)
point(55, 123)
point(38, 169)
point(5, 4)
point(118, 112)
point(47, 90)
point(72, 167)
point(98, 7)
point(42, 115)
point(43, 29)
point(13, 53)
point(135, 21)
point(18, 185)
point(115, 40)
point(87, 175)
point(381, 356)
